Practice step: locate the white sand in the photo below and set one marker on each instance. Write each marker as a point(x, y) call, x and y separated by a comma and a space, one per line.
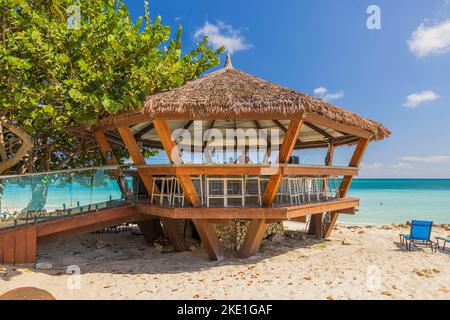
point(294, 269)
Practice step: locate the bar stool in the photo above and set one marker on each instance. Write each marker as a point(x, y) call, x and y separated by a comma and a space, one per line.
point(252, 189)
point(176, 193)
point(225, 189)
point(165, 189)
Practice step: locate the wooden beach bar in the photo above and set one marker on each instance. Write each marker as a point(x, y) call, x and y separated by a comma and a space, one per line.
point(214, 192)
point(230, 139)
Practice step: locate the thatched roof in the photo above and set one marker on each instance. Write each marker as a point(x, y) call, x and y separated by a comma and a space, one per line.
point(230, 98)
point(229, 93)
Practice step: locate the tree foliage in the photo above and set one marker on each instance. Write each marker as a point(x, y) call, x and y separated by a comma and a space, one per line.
point(57, 70)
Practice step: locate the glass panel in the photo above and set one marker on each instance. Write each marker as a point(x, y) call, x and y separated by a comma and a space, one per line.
point(53, 194)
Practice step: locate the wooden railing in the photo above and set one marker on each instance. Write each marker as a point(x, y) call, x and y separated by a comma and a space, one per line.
point(246, 169)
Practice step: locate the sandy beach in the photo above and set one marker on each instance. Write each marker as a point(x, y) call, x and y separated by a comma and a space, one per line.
point(357, 262)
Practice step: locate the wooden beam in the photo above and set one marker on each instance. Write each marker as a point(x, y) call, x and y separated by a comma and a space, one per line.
point(318, 130)
point(150, 229)
point(109, 157)
point(206, 232)
point(286, 149)
point(174, 234)
point(143, 131)
point(105, 147)
point(188, 124)
point(130, 120)
point(136, 156)
point(173, 153)
point(242, 169)
point(209, 239)
point(257, 124)
point(316, 225)
point(253, 238)
point(280, 125)
point(347, 180)
point(337, 126)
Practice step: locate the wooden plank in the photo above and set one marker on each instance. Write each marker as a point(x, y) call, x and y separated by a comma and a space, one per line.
point(174, 234)
point(253, 238)
point(31, 250)
point(20, 246)
point(9, 242)
point(151, 230)
point(242, 169)
point(329, 206)
point(347, 180)
point(77, 221)
point(278, 213)
point(286, 149)
point(300, 219)
point(209, 239)
point(337, 126)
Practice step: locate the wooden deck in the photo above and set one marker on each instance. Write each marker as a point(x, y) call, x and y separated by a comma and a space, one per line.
point(19, 245)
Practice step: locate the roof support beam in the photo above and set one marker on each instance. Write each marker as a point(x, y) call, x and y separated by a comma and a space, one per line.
point(110, 158)
point(205, 229)
point(188, 124)
point(290, 138)
point(143, 131)
point(347, 180)
point(255, 234)
point(175, 236)
point(337, 126)
point(318, 130)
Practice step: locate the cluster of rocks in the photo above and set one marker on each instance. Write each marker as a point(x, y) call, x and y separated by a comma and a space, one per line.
point(233, 237)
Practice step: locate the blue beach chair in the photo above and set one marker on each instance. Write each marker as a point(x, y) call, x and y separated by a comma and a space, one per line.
point(444, 239)
point(420, 232)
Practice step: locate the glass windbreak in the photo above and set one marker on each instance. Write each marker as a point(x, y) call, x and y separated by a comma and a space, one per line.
point(27, 198)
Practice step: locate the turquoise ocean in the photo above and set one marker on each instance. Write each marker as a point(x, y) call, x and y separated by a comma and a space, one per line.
point(386, 201)
point(383, 201)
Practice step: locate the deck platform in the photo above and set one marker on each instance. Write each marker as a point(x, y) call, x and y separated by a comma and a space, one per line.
point(18, 245)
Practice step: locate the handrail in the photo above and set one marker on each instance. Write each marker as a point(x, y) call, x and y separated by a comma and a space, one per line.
point(105, 167)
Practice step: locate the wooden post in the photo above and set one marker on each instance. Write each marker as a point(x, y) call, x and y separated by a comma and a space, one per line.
point(205, 230)
point(108, 155)
point(150, 229)
point(347, 180)
point(290, 138)
point(255, 234)
point(209, 238)
point(316, 221)
point(175, 236)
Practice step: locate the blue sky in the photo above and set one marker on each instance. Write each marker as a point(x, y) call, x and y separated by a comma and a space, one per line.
point(311, 46)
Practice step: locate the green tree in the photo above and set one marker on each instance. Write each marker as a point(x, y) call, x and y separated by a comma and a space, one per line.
point(58, 71)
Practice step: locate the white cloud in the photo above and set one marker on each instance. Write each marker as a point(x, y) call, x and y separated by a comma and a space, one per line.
point(416, 99)
point(430, 39)
point(432, 159)
point(221, 34)
point(372, 166)
point(401, 165)
point(320, 91)
point(323, 93)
